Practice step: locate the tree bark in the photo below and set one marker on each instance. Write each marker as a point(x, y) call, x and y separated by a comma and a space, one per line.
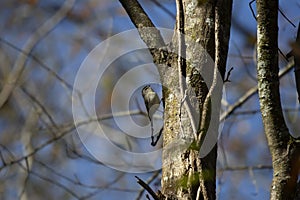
point(284, 149)
point(185, 174)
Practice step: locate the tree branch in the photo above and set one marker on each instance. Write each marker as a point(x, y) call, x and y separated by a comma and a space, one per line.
point(242, 100)
point(39, 34)
point(281, 145)
point(141, 20)
point(147, 187)
point(296, 54)
point(152, 178)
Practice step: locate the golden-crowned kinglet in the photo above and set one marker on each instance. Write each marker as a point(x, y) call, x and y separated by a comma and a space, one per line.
point(151, 101)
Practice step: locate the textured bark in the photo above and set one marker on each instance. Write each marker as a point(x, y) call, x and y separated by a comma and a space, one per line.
point(284, 149)
point(185, 174)
point(140, 19)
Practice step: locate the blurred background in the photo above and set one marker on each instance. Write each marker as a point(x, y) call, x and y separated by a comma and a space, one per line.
point(43, 43)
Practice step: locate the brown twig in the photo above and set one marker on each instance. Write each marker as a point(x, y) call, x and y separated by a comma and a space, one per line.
point(152, 178)
point(147, 187)
point(228, 75)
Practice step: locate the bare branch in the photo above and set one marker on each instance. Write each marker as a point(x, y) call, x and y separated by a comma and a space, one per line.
point(37, 36)
point(147, 187)
point(50, 180)
point(41, 63)
point(296, 53)
point(228, 75)
point(152, 178)
point(40, 147)
point(40, 105)
point(250, 93)
point(140, 19)
point(242, 168)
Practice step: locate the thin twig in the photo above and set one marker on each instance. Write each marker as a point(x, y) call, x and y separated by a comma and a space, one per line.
point(40, 105)
point(253, 112)
point(250, 93)
point(296, 54)
point(63, 131)
point(37, 36)
point(252, 11)
point(47, 179)
point(40, 147)
point(152, 178)
point(252, 77)
point(287, 18)
point(147, 187)
point(40, 62)
point(228, 75)
point(242, 168)
point(154, 142)
point(254, 16)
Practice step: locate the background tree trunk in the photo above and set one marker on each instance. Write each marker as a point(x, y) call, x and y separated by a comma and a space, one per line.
point(45, 151)
point(284, 149)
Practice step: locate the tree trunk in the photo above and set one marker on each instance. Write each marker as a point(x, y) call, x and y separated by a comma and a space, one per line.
point(190, 120)
point(284, 149)
point(186, 174)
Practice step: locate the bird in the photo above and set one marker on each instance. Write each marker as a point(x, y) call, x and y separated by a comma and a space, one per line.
point(152, 103)
point(151, 100)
